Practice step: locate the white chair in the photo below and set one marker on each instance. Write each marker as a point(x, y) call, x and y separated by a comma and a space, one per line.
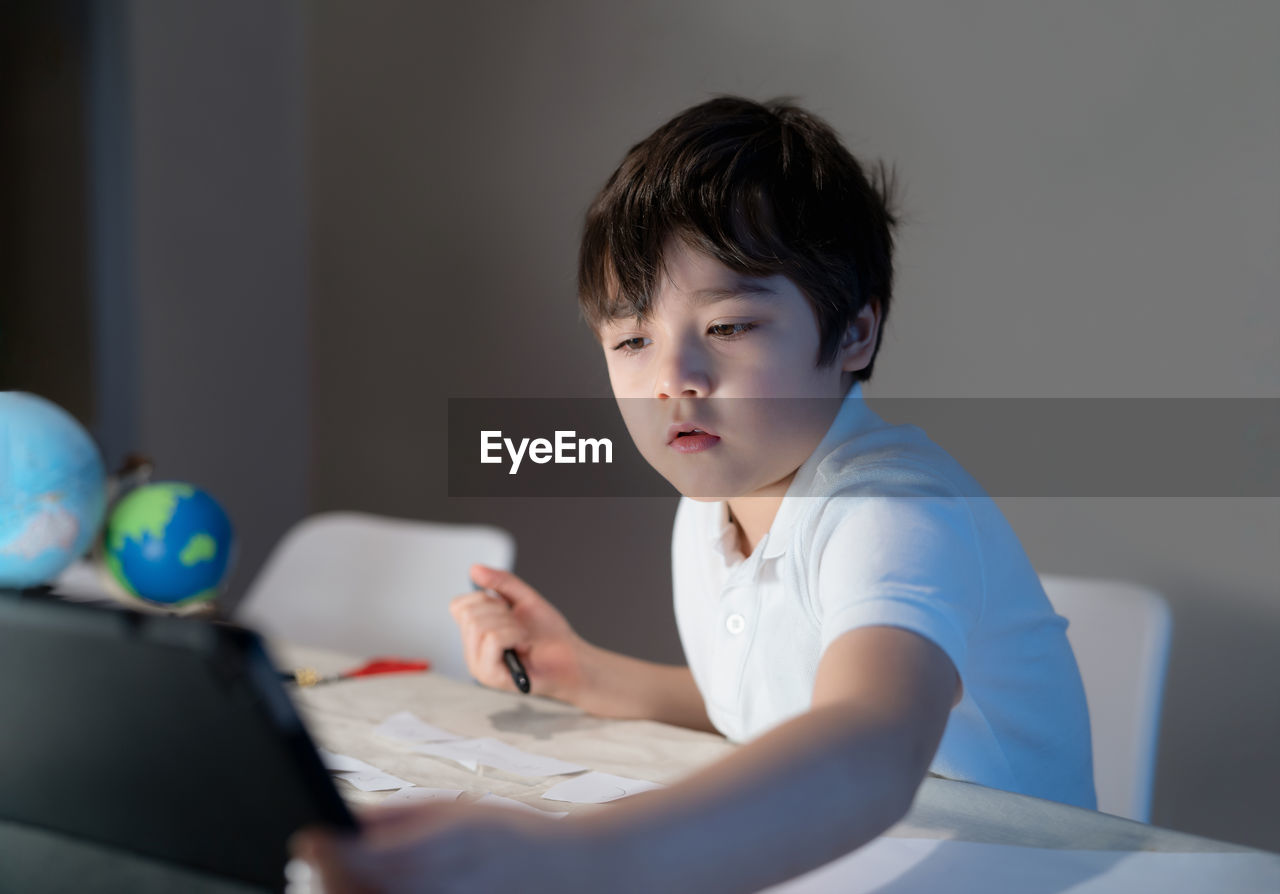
point(370, 585)
point(1120, 633)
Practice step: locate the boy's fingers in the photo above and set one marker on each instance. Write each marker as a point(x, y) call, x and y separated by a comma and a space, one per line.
point(506, 584)
point(507, 637)
point(382, 824)
point(466, 609)
point(475, 624)
point(490, 655)
point(329, 857)
point(459, 605)
point(387, 829)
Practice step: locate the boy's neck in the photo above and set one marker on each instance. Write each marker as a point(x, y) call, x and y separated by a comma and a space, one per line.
point(753, 516)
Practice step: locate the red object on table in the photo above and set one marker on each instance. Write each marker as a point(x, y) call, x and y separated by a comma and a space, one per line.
point(309, 676)
point(387, 666)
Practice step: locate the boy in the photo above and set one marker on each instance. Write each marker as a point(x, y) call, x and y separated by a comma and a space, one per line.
point(853, 608)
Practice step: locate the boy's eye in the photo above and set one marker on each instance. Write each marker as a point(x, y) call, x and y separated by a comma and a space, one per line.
point(730, 330)
point(633, 344)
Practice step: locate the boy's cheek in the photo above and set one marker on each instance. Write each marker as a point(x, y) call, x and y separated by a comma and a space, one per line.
point(647, 421)
point(625, 381)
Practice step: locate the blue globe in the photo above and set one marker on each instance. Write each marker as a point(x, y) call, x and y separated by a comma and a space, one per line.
point(168, 543)
point(52, 489)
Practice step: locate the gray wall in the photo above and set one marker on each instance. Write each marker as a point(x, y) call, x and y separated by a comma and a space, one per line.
point(1090, 210)
point(200, 261)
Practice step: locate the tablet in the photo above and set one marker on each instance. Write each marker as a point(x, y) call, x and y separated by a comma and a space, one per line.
point(171, 738)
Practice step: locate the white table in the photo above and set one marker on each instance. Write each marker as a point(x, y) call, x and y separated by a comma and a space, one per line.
point(342, 715)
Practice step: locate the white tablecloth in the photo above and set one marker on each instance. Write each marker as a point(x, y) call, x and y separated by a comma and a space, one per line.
point(342, 715)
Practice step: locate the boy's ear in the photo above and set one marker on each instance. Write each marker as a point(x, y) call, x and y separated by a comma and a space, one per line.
point(859, 342)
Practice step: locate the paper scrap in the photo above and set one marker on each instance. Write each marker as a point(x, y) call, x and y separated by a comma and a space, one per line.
point(500, 756)
point(407, 727)
point(341, 763)
point(597, 788)
point(422, 793)
point(365, 777)
point(512, 804)
point(377, 781)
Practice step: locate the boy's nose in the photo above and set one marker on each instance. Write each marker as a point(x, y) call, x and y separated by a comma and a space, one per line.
point(685, 392)
point(682, 376)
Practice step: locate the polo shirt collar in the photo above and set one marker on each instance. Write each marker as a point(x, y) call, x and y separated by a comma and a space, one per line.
point(853, 417)
point(725, 535)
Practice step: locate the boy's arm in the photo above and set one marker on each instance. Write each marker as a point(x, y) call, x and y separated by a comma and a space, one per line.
point(618, 686)
point(814, 788)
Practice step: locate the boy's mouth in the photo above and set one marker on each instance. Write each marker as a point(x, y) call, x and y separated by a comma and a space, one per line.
point(681, 431)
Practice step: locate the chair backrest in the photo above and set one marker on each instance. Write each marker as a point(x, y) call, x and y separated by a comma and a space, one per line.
point(370, 585)
point(1120, 634)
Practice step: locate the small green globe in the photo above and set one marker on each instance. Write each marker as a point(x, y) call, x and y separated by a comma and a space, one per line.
point(168, 543)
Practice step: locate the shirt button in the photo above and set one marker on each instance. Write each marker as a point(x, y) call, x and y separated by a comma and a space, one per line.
point(735, 624)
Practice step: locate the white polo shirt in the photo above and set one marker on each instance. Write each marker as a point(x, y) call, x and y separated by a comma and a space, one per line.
point(882, 527)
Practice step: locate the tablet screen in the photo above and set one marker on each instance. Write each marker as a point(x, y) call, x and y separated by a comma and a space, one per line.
point(168, 737)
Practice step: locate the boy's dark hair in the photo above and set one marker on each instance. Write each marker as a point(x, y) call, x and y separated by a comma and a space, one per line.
point(763, 188)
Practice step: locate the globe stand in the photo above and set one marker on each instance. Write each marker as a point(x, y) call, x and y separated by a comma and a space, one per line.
point(88, 580)
point(204, 608)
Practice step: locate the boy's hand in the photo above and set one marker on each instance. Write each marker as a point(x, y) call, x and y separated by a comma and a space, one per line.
point(522, 620)
point(439, 847)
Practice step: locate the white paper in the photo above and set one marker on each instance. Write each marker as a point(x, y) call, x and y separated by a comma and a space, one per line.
point(512, 804)
point(406, 727)
point(341, 763)
point(500, 756)
point(375, 781)
point(422, 793)
point(365, 777)
point(903, 865)
point(597, 788)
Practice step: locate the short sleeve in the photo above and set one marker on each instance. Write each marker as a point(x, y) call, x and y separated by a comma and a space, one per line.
point(908, 562)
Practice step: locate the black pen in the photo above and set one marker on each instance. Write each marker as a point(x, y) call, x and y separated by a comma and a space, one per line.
point(519, 675)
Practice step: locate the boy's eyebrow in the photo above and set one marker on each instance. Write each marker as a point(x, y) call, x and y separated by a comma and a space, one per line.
point(737, 290)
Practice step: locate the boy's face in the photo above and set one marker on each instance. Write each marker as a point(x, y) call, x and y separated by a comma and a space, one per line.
point(714, 333)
